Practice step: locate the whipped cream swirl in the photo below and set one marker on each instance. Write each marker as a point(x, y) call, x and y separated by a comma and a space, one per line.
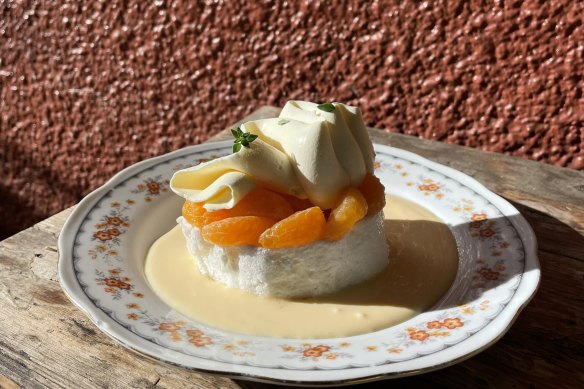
point(305, 152)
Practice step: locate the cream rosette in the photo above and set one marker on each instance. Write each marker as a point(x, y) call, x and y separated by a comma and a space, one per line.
point(306, 152)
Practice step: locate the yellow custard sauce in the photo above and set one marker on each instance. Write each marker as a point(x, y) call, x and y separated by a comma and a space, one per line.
point(423, 264)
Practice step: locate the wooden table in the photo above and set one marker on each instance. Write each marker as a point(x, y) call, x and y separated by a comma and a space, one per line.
point(46, 342)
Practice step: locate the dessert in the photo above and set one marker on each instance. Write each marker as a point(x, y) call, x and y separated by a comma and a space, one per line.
point(295, 211)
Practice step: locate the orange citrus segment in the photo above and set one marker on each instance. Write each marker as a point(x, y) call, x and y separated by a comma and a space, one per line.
point(374, 192)
point(298, 204)
point(259, 202)
point(236, 231)
point(194, 213)
point(302, 227)
point(353, 207)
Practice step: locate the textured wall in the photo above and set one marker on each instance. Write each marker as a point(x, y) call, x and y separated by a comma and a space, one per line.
point(87, 89)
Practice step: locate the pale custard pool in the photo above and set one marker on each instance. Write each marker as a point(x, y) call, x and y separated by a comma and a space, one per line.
point(423, 264)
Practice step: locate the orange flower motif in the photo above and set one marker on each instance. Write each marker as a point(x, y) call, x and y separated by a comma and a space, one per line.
point(489, 274)
point(114, 232)
point(114, 271)
point(476, 217)
point(468, 310)
point(102, 235)
point(311, 352)
point(132, 306)
point(429, 187)
point(322, 348)
point(139, 295)
point(420, 335)
point(287, 349)
point(376, 165)
point(169, 327)
point(114, 221)
point(371, 348)
point(109, 289)
point(153, 187)
point(117, 283)
point(434, 325)
point(201, 341)
point(115, 204)
point(331, 356)
point(130, 202)
point(487, 233)
point(194, 333)
point(476, 224)
point(132, 316)
point(452, 323)
point(394, 350)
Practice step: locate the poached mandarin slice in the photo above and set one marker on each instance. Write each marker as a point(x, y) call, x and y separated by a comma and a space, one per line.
point(236, 231)
point(374, 192)
point(302, 227)
point(194, 213)
point(258, 202)
point(351, 209)
point(298, 204)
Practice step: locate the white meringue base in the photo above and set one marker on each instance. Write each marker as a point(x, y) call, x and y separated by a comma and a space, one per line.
point(315, 269)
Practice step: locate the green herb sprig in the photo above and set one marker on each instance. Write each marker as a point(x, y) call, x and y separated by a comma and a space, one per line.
point(327, 107)
point(241, 139)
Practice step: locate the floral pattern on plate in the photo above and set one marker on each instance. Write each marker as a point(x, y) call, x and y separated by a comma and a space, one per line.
point(101, 269)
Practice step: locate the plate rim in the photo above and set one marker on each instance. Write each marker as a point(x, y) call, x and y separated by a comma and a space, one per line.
point(525, 291)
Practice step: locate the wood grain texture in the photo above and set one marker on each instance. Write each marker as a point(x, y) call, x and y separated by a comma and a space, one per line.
point(46, 342)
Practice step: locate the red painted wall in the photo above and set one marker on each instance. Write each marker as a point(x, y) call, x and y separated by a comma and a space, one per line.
point(87, 89)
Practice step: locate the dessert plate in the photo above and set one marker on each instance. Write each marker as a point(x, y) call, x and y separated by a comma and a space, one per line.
point(104, 242)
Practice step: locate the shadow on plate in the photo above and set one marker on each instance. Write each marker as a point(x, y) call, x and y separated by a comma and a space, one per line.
point(436, 266)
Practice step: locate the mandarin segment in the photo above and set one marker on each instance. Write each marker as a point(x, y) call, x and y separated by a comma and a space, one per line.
point(236, 231)
point(352, 208)
point(259, 202)
point(194, 213)
point(298, 204)
point(302, 227)
point(374, 192)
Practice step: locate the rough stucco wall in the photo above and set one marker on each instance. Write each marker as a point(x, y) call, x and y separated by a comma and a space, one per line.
point(87, 89)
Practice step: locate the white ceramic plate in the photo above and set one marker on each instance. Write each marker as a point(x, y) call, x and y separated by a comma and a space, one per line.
point(104, 242)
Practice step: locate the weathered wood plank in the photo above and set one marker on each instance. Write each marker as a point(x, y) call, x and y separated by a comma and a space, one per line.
point(46, 342)
point(553, 236)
